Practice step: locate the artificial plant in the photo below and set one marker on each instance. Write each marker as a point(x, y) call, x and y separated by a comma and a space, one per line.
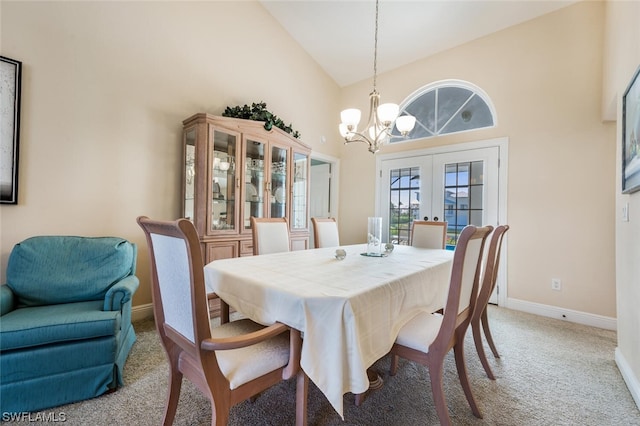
point(259, 112)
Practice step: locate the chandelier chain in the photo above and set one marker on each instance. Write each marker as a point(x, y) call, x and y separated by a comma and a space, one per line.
point(382, 118)
point(375, 51)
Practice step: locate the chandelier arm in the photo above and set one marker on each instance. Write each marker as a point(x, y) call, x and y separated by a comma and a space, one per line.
point(375, 144)
point(361, 139)
point(384, 133)
point(357, 137)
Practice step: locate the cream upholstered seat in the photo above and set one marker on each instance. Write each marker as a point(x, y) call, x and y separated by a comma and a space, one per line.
point(229, 363)
point(428, 337)
point(479, 318)
point(325, 232)
point(270, 235)
point(428, 234)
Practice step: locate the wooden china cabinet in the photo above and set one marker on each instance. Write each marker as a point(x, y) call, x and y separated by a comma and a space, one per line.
point(235, 169)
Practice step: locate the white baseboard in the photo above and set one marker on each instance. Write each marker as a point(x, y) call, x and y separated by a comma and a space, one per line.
point(593, 320)
point(140, 312)
point(629, 378)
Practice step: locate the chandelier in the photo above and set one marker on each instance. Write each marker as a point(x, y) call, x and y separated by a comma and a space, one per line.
point(381, 117)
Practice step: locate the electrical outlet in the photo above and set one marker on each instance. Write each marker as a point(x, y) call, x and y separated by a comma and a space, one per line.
point(556, 284)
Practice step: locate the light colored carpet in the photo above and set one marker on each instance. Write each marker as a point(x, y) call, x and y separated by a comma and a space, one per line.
point(550, 372)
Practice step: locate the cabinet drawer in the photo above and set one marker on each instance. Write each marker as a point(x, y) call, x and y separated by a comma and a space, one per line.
point(246, 248)
point(221, 250)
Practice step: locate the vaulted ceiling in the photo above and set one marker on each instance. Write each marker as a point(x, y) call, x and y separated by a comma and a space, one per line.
point(339, 34)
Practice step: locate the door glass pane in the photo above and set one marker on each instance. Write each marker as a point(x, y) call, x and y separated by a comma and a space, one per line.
point(475, 197)
point(462, 175)
point(463, 197)
point(299, 211)
point(190, 171)
point(278, 182)
point(223, 188)
point(476, 217)
point(477, 172)
point(253, 181)
point(404, 206)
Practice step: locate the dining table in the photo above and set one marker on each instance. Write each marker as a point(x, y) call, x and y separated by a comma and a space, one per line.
point(348, 311)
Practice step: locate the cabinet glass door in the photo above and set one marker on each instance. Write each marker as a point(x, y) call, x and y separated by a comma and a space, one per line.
point(254, 182)
point(190, 173)
point(279, 167)
point(300, 189)
point(223, 188)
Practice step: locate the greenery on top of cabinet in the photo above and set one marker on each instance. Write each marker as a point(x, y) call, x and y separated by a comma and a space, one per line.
point(259, 112)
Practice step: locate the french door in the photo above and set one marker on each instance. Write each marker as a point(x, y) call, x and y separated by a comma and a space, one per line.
point(460, 187)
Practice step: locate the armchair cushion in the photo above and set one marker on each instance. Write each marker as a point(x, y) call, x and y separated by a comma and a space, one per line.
point(47, 270)
point(44, 325)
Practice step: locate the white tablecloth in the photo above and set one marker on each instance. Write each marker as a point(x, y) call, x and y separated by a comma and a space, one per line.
point(350, 311)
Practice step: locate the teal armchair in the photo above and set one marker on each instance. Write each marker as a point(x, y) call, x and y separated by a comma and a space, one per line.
point(65, 320)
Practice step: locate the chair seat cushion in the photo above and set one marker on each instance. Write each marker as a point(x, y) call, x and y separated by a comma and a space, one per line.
point(420, 331)
point(242, 365)
point(43, 325)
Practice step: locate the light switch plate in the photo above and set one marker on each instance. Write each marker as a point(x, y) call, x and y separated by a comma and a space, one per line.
point(625, 213)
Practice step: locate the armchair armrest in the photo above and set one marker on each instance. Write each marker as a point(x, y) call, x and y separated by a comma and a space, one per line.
point(120, 293)
point(7, 300)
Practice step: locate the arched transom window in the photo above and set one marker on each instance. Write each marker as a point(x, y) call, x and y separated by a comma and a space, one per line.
point(444, 107)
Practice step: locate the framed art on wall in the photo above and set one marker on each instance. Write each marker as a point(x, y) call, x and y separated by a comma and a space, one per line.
point(10, 79)
point(630, 136)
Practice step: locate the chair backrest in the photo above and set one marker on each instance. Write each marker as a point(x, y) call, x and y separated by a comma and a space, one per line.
point(491, 264)
point(428, 234)
point(465, 277)
point(325, 232)
point(55, 269)
point(270, 235)
point(177, 282)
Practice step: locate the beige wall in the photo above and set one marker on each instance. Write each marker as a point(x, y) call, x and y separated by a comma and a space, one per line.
point(106, 86)
point(545, 80)
point(623, 54)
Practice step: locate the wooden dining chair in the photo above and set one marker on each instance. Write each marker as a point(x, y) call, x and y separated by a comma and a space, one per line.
point(228, 364)
point(428, 234)
point(325, 232)
point(270, 235)
point(428, 337)
point(479, 318)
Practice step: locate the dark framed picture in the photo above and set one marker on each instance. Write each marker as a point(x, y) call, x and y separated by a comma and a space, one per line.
point(10, 80)
point(630, 136)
